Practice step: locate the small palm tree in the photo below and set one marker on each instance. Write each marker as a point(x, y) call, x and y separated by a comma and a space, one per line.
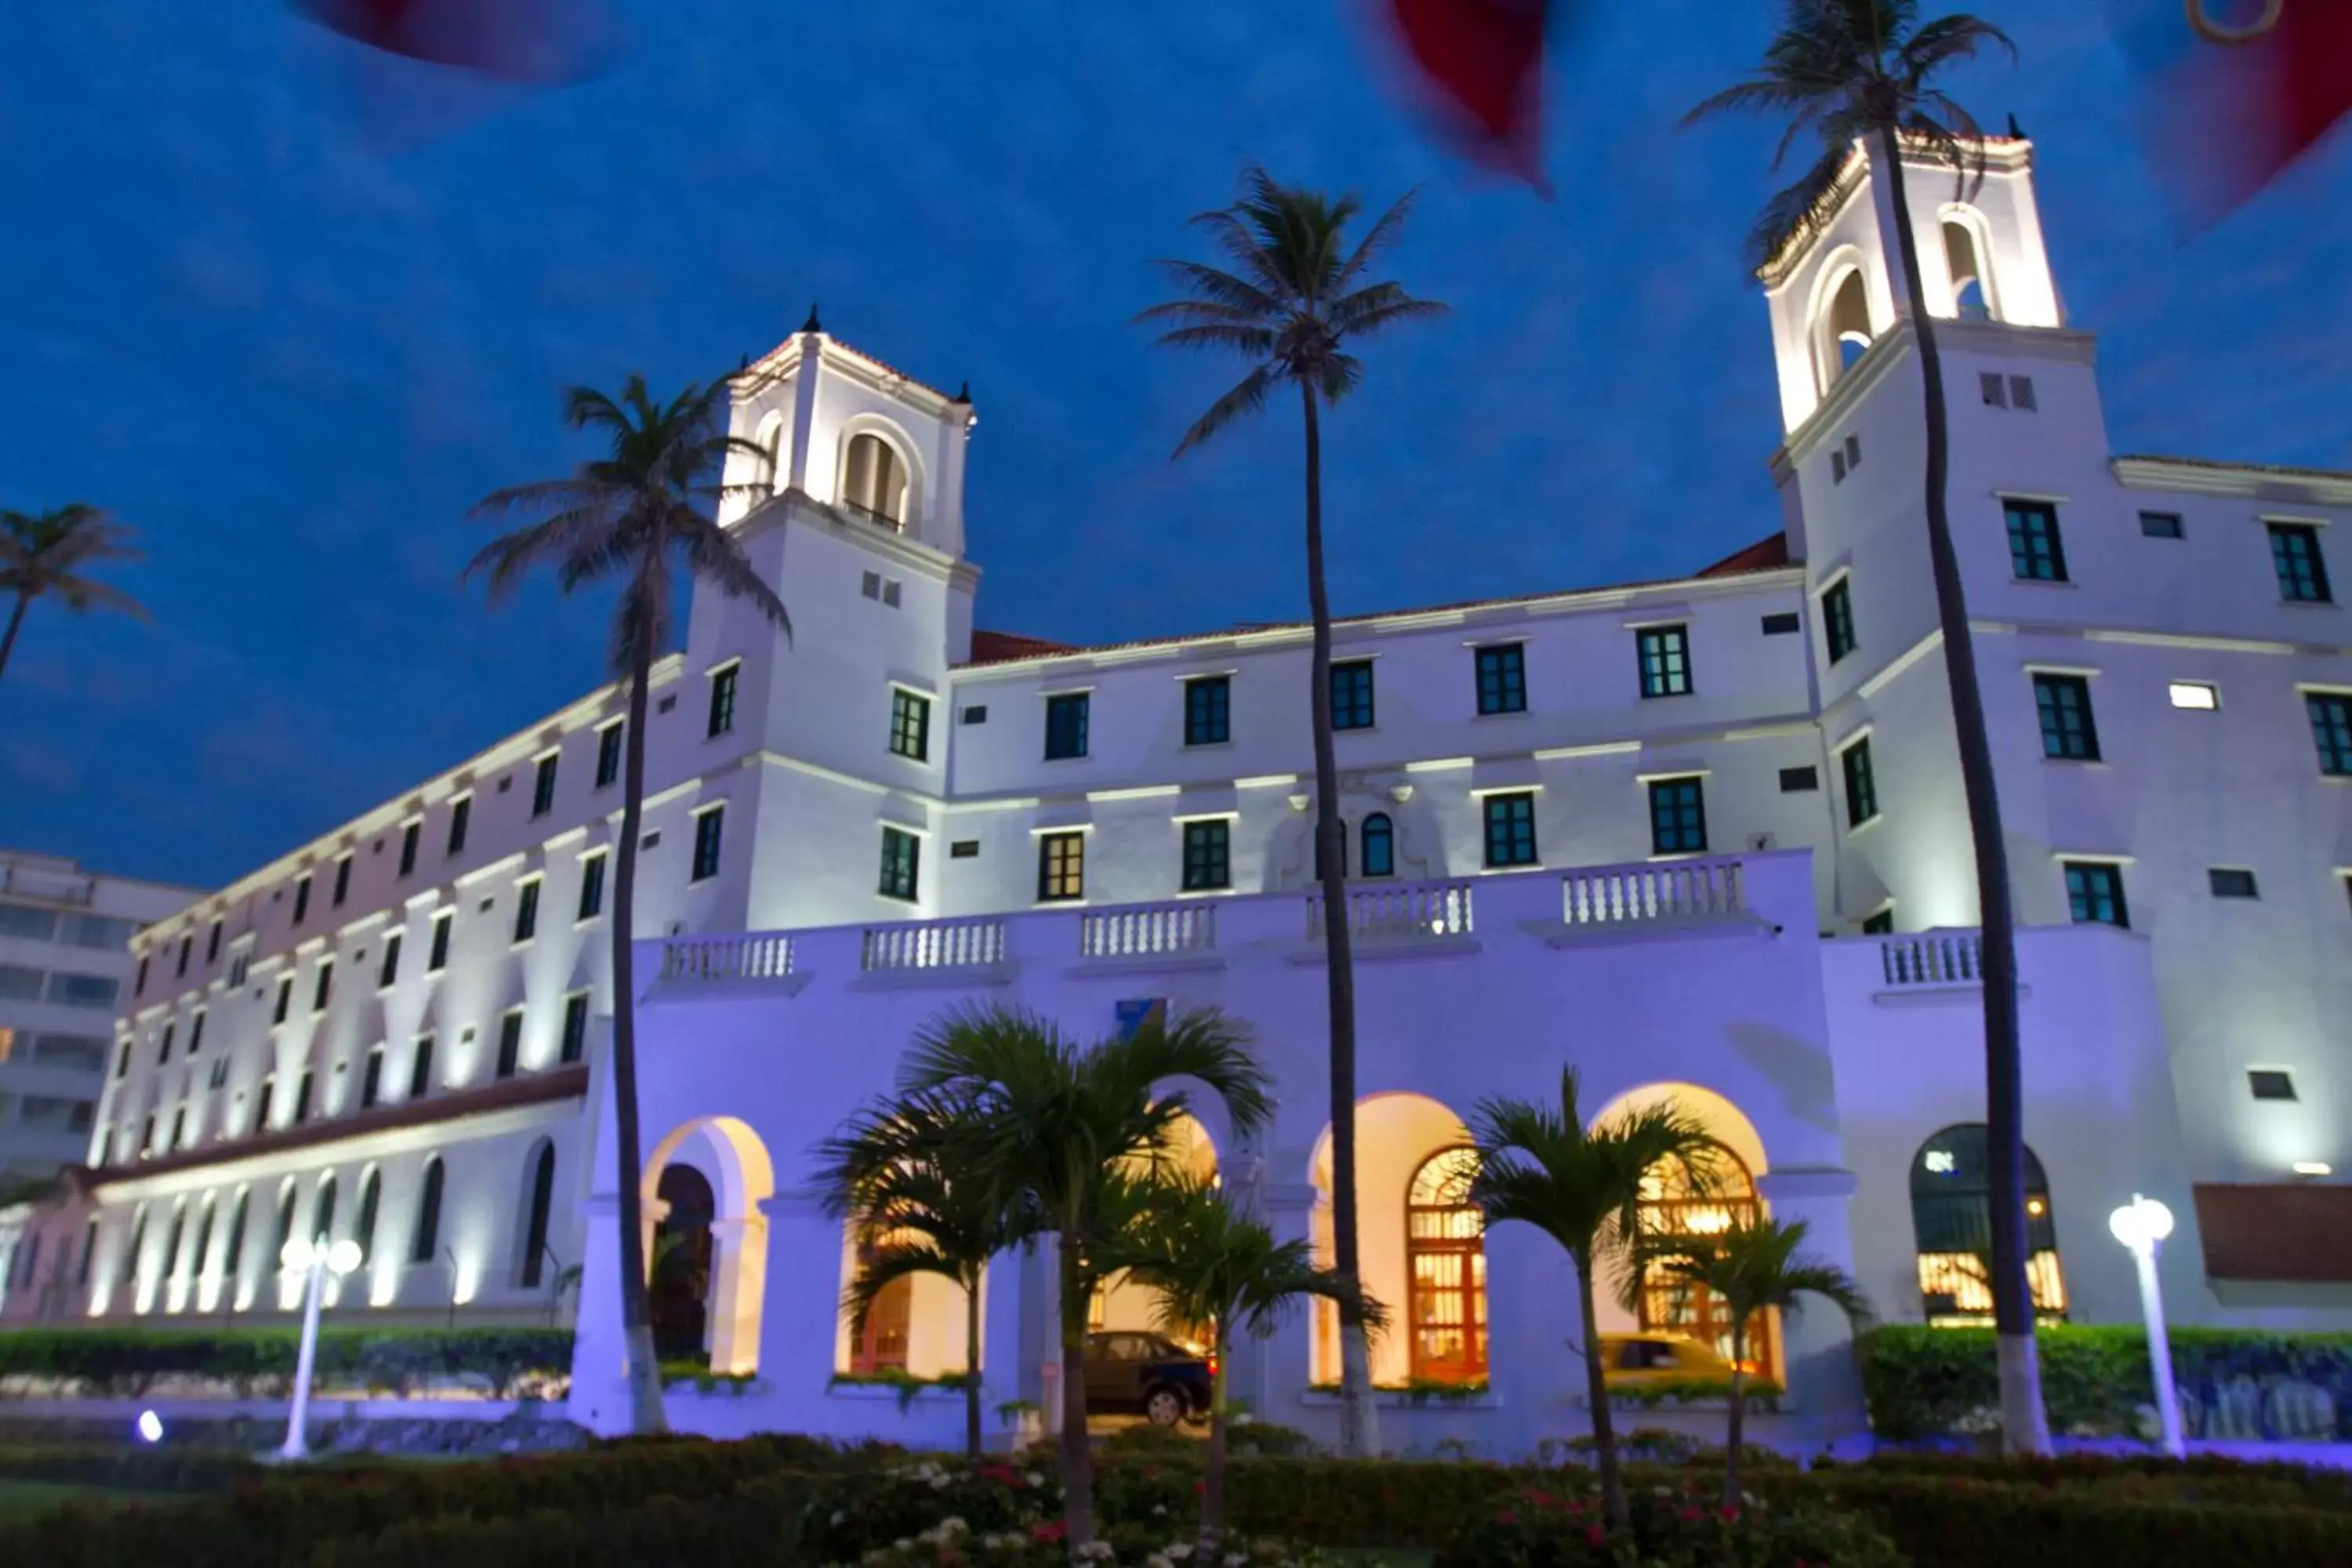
point(640, 512)
point(1864, 71)
point(1297, 301)
point(1754, 1267)
point(44, 555)
point(1058, 1129)
point(1541, 1165)
point(891, 1172)
point(1207, 1263)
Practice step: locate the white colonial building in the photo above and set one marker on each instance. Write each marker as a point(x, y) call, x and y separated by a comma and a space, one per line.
point(1701, 838)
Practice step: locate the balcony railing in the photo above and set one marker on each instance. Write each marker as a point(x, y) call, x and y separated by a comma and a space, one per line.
point(967, 944)
point(766, 956)
point(874, 515)
point(1404, 911)
point(1945, 958)
point(1674, 891)
point(1148, 930)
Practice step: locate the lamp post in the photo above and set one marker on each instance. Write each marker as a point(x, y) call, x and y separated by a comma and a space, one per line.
point(316, 1259)
point(2142, 1225)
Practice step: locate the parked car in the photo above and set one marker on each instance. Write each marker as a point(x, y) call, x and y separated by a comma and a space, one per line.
point(1632, 1361)
point(1127, 1370)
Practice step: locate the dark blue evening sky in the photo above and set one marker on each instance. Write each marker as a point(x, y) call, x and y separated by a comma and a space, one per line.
point(289, 313)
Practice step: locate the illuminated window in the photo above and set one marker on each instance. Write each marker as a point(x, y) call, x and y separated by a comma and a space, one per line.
point(2197, 694)
point(1061, 866)
point(1676, 1207)
point(1951, 1221)
point(1445, 1261)
point(882, 1347)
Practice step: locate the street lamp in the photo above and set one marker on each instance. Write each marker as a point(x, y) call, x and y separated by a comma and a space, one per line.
point(2142, 1225)
point(316, 1259)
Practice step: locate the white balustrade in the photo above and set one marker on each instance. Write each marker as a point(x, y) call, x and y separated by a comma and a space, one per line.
point(1148, 930)
point(1932, 958)
point(1400, 911)
point(758, 956)
point(933, 944)
point(1669, 891)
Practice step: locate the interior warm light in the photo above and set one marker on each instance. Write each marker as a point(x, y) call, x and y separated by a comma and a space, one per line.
point(2196, 694)
point(2036, 1208)
point(2314, 1168)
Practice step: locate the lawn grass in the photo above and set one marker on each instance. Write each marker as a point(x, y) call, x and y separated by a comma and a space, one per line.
point(22, 1499)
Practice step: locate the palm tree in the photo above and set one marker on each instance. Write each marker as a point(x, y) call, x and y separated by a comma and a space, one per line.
point(635, 513)
point(1863, 71)
point(1754, 1267)
point(892, 1172)
point(44, 555)
point(1296, 299)
point(1207, 1263)
point(1058, 1129)
point(1541, 1165)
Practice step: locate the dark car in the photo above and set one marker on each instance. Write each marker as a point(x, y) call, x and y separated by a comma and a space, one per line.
point(1127, 1370)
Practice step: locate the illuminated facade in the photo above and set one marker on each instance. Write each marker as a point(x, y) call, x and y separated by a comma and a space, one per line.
point(1702, 838)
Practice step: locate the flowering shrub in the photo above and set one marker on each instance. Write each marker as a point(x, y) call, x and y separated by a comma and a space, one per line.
point(952, 1543)
point(880, 1508)
point(1673, 1527)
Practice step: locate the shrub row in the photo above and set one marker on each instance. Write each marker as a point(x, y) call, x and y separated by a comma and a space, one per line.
point(1924, 1383)
point(127, 1363)
point(162, 1470)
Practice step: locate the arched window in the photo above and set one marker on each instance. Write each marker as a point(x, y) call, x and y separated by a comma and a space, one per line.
point(32, 1259)
point(172, 1241)
point(204, 1238)
point(535, 1216)
point(768, 472)
point(364, 1231)
point(678, 1297)
point(323, 1210)
point(1963, 260)
point(424, 1242)
point(1671, 1208)
point(1951, 1217)
point(285, 1223)
point(873, 480)
point(261, 1104)
point(233, 1255)
point(883, 1345)
point(1844, 328)
point(137, 1244)
point(1380, 846)
point(1445, 1258)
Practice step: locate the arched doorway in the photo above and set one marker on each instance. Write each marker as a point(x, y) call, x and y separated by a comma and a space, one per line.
point(1120, 1304)
point(1445, 1258)
point(1951, 1220)
point(726, 1180)
point(1672, 1207)
point(678, 1293)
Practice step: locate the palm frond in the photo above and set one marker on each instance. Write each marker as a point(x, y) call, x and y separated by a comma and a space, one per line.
point(1377, 239)
point(1247, 397)
point(1211, 286)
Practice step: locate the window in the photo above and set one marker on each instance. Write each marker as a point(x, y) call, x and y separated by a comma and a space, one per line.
point(409, 833)
point(1951, 1221)
point(363, 1227)
point(1994, 389)
point(389, 969)
point(21, 984)
point(139, 985)
point(1800, 781)
point(1502, 678)
point(31, 924)
point(1445, 1264)
point(2271, 1083)
point(2160, 524)
point(2230, 882)
point(526, 921)
point(1677, 816)
point(575, 1029)
point(212, 938)
point(323, 986)
point(1837, 619)
point(1861, 786)
point(1675, 1206)
point(437, 957)
point(2067, 731)
point(1785, 623)
point(592, 885)
point(2035, 553)
point(302, 1096)
point(509, 1043)
point(874, 479)
point(977, 713)
point(1208, 711)
point(262, 1098)
point(342, 888)
point(2095, 892)
point(910, 724)
point(1061, 866)
point(1351, 695)
point(1837, 467)
point(197, 1032)
point(1065, 725)
point(1853, 453)
point(163, 1049)
point(722, 700)
point(2331, 730)
point(371, 1079)
point(1665, 660)
point(542, 785)
point(901, 863)
point(541, 1202)
point(1207, 855)
point(1380, 846)
point(1510, 828)
point(2020, 393)
point(285, 999)
point(238, 961)
point(83, 990)
point(1880, 924)
point(172, 1241)
point(2302, 571)
point(232, 1254)
point(301, 913)
point(2197, 694)
point(95, 931)
point(179, 1128)
point(425, 1241)
point(461, 814)
point(709, 828)
point(608, 751)
point(322, 1213)
point(420, 1067)
point(963, 849)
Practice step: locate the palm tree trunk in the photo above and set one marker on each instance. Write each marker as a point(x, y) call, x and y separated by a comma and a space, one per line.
point(2024, 1429)
point(1078, 1479)
point(1213, 1477)
point(15, 620)
point(1596, 1391)
point(1738, 1413)
point(1359, 1424)
point(645, 1412)
point(971, 1365)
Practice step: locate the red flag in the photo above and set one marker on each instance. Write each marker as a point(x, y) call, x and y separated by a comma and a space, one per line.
point(520, 40)
point(2228, 117)
point(1485, 60)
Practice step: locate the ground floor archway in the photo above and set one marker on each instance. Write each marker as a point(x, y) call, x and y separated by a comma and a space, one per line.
point(715, 1249)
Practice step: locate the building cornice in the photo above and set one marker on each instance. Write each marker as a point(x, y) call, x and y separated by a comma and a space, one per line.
point(2252, 481)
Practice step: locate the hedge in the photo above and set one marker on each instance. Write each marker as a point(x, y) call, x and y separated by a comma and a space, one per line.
point(124, 1468)
point(126, 1362)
